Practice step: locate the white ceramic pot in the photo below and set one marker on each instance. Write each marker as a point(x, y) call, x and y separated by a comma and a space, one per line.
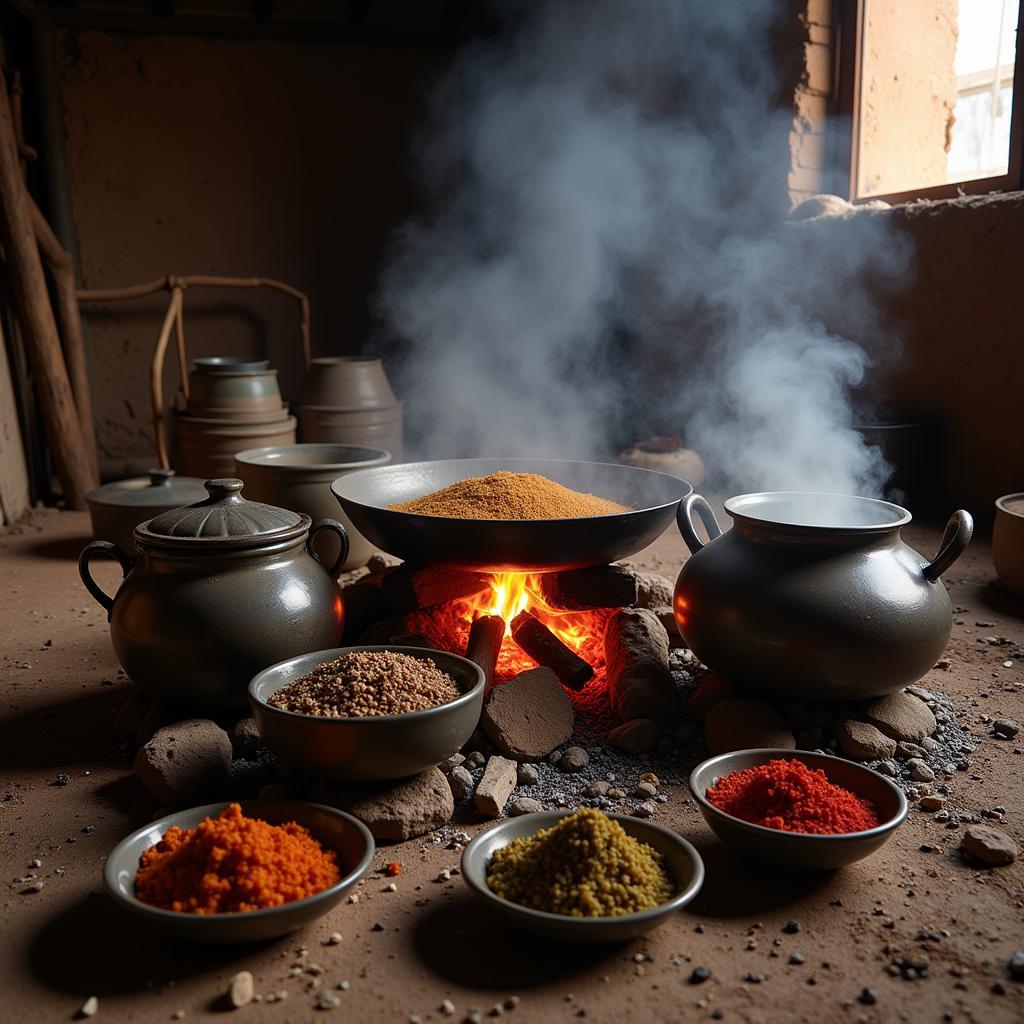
point(1008, 541)
point(299, 477)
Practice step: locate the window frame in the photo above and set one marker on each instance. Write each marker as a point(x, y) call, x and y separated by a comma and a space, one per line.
point(847, 49)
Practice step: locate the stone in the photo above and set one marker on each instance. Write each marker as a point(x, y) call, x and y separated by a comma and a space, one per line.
point(919, 770)
point(185, 763)
point(734, 724)
point(393, 810)
point(245, 738)
point(906, 751)
point(575, 759)
point(667, 617)
point(654, 590)
point(646, 791)
point(524, 805)
point(711, 689)
point(496, 786)
point(241, 990)
point(932, 803)
point(864, 742)
point(527, 775)
point(452, 762)
point(474, 759)
point(901, 716)
point(645, 809)
point(635, 737)
point(1015, 965)
point(990, 845)
point(529, 716)
point(1005, 727)
point(639, 680)
point(598, 788)
point(461, 783)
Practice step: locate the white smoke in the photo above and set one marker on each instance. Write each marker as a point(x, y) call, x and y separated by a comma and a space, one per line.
point(607, 253)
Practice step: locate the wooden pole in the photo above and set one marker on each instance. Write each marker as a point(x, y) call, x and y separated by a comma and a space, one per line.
point(60, 417)
point(156, 372)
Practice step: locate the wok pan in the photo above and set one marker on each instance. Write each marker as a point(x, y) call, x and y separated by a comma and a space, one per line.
point(497, 545)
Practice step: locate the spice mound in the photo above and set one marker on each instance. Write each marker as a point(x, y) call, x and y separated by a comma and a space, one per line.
point(585, 866)
point(507, 495)
point(365, 683)
point(789, 796)
point(233, 863)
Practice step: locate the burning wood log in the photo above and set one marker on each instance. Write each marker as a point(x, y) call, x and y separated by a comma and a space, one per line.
point(411, 589)
point(636, 662)
point(604, 586)
point(546, 649)
point(485, 639)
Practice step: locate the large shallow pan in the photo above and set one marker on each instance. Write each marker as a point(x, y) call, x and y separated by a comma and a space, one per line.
point(495, 545)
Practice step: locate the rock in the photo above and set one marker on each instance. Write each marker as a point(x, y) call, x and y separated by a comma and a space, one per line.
point(651, 779)
point(616, 794)
point(524, 805)
point(646, 791)
point(452, 762)
point(89, 1008)
point(1016, 965)
point(185, 763)
point(919, 771)
point(527, 775)
point(393, 810)
point(245, 738)
point(734, 724)
point(474, 760)
point(863, 741)
point(989, 845)
point(575, 759)
point(241, 990)
point(645, 809)
point(932, 803)
point(667, 617)
point(654, 590)
point(635, 737)
point(639, 680)
point(496, 786)
point(461, 783)
point(901, 716)
point(906, 751)
point(1005, 727)
point(929, 744)
point(530, 715)
point(711, 689)
point(598, 788)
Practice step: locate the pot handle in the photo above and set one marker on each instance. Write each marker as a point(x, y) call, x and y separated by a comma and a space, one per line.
point(684, 520)
point(956, 538)
point(102, 547)
point(329, 524)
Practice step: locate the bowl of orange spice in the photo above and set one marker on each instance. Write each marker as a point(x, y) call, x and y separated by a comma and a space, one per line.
point(239, 872)
point(797, 809)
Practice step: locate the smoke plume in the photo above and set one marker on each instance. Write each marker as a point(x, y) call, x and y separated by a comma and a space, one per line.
point(606, 253)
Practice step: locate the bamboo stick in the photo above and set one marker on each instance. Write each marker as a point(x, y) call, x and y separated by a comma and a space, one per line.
point(52, 386)
point(171, 317)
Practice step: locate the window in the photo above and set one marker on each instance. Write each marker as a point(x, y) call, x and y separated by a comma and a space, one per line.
point(934, 93)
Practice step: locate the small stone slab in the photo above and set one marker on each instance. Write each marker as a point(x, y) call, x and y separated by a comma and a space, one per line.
point(185, 763)
point(734, 724)
point(394, 810)
point(496, 786)
point(990, 845)
point(530, 715)
point(863, 741)
point(901, 716)
point(654, 590)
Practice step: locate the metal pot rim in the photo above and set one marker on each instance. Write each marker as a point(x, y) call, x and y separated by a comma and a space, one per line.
point(751, 508)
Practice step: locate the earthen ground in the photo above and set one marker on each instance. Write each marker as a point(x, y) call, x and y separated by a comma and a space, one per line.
point(61, 686)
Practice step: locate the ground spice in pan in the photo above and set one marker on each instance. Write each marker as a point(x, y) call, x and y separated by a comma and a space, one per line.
point(507, 495)
point(233, 863)
point(584, 866)
point(789, 796)
point(365, 683)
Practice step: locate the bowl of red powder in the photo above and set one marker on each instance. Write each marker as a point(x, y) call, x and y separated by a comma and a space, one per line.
point(797, 809)
point(240, 872)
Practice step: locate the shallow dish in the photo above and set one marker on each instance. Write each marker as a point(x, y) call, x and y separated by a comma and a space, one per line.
point(800, 849)
point(374, 747)
point(333, 829)
point(681, 860)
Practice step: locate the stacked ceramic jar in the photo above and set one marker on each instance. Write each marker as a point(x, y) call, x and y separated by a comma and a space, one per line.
point(348, 400)
point(232, 404)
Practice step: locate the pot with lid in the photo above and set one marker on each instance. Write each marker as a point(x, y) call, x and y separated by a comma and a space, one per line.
point(117, 508)
point(814, 596)
point(218, 591)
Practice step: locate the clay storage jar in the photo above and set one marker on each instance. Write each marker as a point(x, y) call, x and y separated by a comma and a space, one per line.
point(348, 400)
point(1007, 541)
point(218, 591)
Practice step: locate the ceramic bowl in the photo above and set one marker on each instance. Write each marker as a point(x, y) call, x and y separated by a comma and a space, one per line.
point(796, 849)
point(372, 748)
point(229, 364)
point(299, 477)
point(347, 382)
point(333, 829)
point(1008, 541)
point(681, 860)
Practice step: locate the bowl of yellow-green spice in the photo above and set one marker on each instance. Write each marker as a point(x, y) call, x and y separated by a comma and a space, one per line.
point(583, 876)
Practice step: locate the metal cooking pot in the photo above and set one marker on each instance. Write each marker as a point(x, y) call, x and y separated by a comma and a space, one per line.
point(814, 596)
point(219, 590)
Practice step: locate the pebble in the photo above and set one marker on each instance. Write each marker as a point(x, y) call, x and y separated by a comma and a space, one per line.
point(796, 958)
point(186, 762)
point(699, 975)
point(461, 783)
point(497, 784)
point(524, 805)
point(919, 770)
point(791, 927)
point(241, 990)
point(328, 1001)
point(89, 1008)
point(598, 788)
point(646, 790)
point(63, 779)
point(645, 809)
point(867, 997)
point(334, 938)
point(452, 762)
point(901, 716)
point(475, 759)
point(1015, 965)
point(1005, 727)
point(906, 750)
point(932, 803)
point(863, 741)
point(575, 759)
point(989, 845)
point(527, 775)
point(447, 1007)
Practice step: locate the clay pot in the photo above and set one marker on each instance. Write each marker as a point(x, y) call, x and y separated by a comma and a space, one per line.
point(206, 447)
point(117, 508)
point(299, 477)
point(347, 382)
point(219, 590)
point(372, 428)
point(1008, 541)
point(222, 391)
point(814, 596)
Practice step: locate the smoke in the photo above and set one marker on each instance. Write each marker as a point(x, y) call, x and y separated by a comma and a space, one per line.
point(606, 253)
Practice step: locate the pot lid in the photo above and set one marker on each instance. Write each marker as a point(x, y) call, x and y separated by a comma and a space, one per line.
point(160, 489)
point(223, 519)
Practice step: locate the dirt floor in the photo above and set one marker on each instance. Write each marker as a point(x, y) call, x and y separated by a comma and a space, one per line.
point(67, 941)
